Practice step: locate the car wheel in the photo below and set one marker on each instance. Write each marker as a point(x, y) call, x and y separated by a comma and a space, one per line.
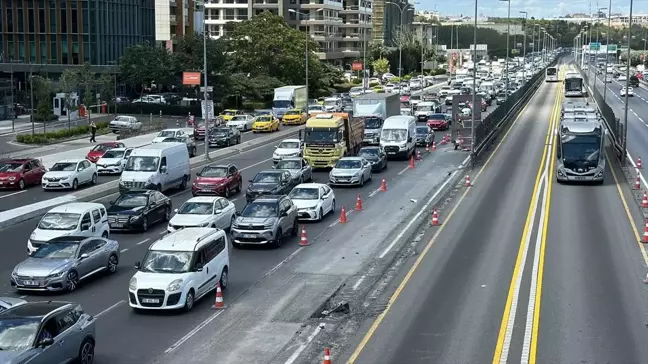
point(232, 220)
point(75, 184)
point(229, 143)
point(224, 278)
point(21, 184)
point(167, 214)
point(104, 235)
point(239, 186)
point(189, 301)
point(86, 352)
point(320, 214)
point(183, 184)
point(72, 281)
point(113, 261)
point(278, 239)
point(238, 140)
point(94, 179)
point(144, 224)
point(295, 228)
point(159, 187)
point(333, 206)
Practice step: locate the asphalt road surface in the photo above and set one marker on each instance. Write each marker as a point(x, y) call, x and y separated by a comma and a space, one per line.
point(519, 274)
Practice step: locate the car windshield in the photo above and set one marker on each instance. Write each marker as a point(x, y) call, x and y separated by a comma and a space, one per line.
point(63, 167)
point(57, 250)
point(166, 134)
point(101, 148)
point(172, 140)
point(18, 333)
point(422, 130)
point(264, 119)
point(220, 131)
point(142, 164)
point(229, 112)
point(10, 167)
point(218, 172)
point(348, 164)
point(394, 135)
point(260, 209)
point(289, 164)
point(293, 112)
point(288, 145)
point(356, 89)
point(315, 108)
point(331, 102)
point(318, 135)
point(373, 123)
point(304, 193)
point(369, 152)
point(131, 200)
point(59, 221)
point(196, 208)
point(162, 261)
point(266, 178)
point(121, 118)
point(114, 154)
point(425, 107)
point(437, 117)
point(282, 104)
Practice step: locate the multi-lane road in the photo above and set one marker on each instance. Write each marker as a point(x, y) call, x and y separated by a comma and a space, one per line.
point(523, 269)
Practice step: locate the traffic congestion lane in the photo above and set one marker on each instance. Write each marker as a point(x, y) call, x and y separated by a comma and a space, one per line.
point(132, 333)
point(593, 304)
point(449, 306)
point(11, 199)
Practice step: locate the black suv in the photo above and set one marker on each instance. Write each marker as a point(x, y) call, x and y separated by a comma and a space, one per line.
point(271, 182)
point(138, 210)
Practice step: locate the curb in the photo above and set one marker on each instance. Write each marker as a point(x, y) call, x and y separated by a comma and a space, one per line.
point(31, 211)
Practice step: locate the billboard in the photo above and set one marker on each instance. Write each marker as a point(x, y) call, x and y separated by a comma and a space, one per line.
point(356, 66)
point(191, 78)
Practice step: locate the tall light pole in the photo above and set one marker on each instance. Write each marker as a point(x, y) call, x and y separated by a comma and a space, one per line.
point(625, 111)
point(535, 42)
point(474, 90)
point(526, 17)
point(508, 42)
point(365, 76)
point(598, 31)
point(308, 38)
point(583, 38)
point(402, 9)
point(205, 92)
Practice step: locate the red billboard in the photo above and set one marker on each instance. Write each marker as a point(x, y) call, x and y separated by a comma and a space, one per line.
point(356, 66)
point(191, 78)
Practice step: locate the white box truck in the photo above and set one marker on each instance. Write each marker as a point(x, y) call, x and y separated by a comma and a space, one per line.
point(287, 98)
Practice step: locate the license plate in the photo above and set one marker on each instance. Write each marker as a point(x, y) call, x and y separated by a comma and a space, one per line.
point(579, 178)
point(249, 236)
point(150, 300)
point(391, 152)
point(30, 283)
point(117, 225)
point(1, 183)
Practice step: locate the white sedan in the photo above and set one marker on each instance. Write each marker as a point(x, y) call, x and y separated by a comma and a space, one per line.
point(241, 122)
point(622, 78)
point(168, 133)
point(69, 174)
point(113, 161)
point(288, 148)
point(629, 91)
point(204, 211)
point(313, 201)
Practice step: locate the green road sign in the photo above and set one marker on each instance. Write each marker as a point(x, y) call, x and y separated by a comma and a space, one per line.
point(612, 48)
point(595, 46)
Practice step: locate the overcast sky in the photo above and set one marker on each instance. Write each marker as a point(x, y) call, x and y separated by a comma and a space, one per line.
point(536, 8)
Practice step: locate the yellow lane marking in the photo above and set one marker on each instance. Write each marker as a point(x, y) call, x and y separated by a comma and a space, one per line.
point(410, 273)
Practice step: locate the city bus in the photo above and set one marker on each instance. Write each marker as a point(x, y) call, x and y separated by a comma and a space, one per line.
point(580, 143)
point(551, 74)
point(574, 86)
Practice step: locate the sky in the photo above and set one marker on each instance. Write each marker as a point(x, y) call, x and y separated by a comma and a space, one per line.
point(536, 8)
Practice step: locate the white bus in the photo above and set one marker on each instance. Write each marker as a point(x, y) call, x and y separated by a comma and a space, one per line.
point(574, 86)
point(551, 75)
point(580, 150)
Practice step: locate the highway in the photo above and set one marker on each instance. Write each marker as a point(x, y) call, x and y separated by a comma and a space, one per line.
point(523, 269)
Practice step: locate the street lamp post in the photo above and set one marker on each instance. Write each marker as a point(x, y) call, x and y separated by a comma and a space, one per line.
point(583, 38)
point(365, 76)
point(598, 31)
point(625, 111)
point(474, 90)
point(508, 41)
point(308, 38)
point(402, 10)
point(526, 17)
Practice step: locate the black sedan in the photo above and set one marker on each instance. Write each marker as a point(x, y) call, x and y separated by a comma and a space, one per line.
point(272, 182)
point(424, 136)
point(224, 137)
point(138, 210)
point(376, 156)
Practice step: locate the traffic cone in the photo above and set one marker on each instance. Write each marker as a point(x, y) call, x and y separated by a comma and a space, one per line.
point(435, 218)
point(412, 164)
point(639, 165)
point(427, 148)
point(383, 185)
point(419, 157)
point(343, 218)
point(327, 357)
point(433, 146)
point(646, 279)
point(637, 184)
point(468, 184)
point(303, 241)
point(444, 140)
point(644, 239)
point(219, 304)
point(644, 200)
point(358, 206)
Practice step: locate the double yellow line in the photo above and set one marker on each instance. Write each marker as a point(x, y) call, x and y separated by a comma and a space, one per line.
point(548, 152)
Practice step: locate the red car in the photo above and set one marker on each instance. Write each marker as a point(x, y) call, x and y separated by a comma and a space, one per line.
point(98, 151)
point(201, 129)
point(219, 180)
point(20, 173)
point(439, 121)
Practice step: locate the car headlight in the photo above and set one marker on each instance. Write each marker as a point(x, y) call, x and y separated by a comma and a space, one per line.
point(175, 286)
point(56, 275)
point(205, 224)
point(132, 285)
point(150, 179)
point(135, 218)
point(12, 178)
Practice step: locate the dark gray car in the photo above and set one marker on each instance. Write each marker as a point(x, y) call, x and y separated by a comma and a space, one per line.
point(266, 220)
point(299, 169)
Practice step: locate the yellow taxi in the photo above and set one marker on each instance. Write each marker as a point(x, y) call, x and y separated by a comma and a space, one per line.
point(294, 117)
point(379, 89)
point(265, 123)
point(228, 114)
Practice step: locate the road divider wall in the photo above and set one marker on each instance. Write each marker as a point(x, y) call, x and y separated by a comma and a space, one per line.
point(27, 212)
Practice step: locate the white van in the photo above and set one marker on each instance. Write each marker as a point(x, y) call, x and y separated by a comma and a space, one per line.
point(179, 269)
point(398, 136)
point(72, 219)
point(159, 166)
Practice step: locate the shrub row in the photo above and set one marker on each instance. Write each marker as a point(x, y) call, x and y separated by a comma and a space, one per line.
point(53, 136)
point(181, 110)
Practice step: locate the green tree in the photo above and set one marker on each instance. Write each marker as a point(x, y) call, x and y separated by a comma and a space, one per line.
point(189, 51)
point(43, 94)
point(68, 84)
point(142, 65)
point(87, 80)
point(107, 87)
point(381, 66)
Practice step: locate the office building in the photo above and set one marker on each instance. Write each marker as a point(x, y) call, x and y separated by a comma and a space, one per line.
point(175, 18)
point(51, 35)
point(387, 19)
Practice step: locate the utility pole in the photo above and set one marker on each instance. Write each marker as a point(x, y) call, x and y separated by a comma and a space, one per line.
point(526, 16)
point(625, 111)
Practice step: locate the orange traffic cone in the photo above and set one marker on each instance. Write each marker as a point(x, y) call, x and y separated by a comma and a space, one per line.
point(412, 164)
point(468, 184)
point(419, 157)
point(327, 357)
point(639, 164)
point(435, 218)
point(303, 241)
point(444, 140)
point(383, 185)
point(427, 148)
point(644, 200)
point(358, 206)
point(343, 218)
point(645, 234)
point(646, 279)
point(637, 184)
point(219, 303)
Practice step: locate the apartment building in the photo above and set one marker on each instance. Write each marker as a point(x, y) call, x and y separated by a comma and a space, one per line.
point(388, 17)
point(339, 26)
point(174, 18)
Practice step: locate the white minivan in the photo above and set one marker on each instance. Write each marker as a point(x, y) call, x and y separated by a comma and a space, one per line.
point(398, 136)
point(71, 219)
point(159, 166)
point(179, 269)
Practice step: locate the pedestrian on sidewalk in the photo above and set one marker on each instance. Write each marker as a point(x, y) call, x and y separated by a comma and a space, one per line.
point(93, 131)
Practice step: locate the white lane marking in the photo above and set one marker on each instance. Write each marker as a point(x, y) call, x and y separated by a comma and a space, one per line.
point(288, 258)
point(423, 209)
point(303, 346)
point(348, 212)
point(110, 308)
point(255, 164)
point(23, 297)
point(123, 250)
point(13, 193)
point(404, 170)
point(374, 192)
point(193, 332)
point(163, 232)
point(359, 282)
point(143, 241)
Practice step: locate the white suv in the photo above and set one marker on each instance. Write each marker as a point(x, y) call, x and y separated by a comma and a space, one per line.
point(179, 269)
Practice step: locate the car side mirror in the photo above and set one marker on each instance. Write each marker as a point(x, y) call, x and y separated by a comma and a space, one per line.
point(112, 202)
point(46, 342)
point(284, 213)
point(237, 213)
point(216, 212)
point(163, 169)
point(198, 268)
point(84, 256)
point(323, 197)
point(137, 265)
point(85, 226)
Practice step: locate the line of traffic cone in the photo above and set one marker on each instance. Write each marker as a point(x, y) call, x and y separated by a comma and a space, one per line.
point(467, 182)
point(219, 303)
point(644, 200)
point(427, 148)
point(358, 205)
point(303, 241)
point(637, 184)
point(644, 239)
point(343, 217)
point(412, 164)
point(435, 218)
point(419, 157)
point(383, 185)
point(327, 356)
point(639, 164)
point(433, 146)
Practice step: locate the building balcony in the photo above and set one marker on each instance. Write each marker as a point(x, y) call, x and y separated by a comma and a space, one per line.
point(355, 10)
point(173, 20)
point(173, 3)
point(333, 53)
point(325, 4)
point(325, 36)
point(228, 5)
point(322, 20)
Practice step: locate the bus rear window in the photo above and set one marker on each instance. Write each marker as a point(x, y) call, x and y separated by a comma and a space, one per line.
point(551, 71)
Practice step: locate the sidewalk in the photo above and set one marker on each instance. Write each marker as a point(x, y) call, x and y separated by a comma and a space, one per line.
point(22, 123)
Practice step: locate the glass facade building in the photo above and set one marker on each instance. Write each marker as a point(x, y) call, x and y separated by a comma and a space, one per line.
point(62, 32)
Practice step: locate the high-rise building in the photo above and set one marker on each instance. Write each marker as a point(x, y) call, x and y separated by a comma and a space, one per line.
point(174, 18)
point(55, 34)
point(339, 26)
point(388, 17)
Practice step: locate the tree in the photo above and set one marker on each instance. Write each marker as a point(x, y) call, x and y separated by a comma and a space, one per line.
point(381, 65)
point(107, 86)
point(189, 50)
point(68, 84)
point(43, 94)
point(142, 64)
point(87, 80)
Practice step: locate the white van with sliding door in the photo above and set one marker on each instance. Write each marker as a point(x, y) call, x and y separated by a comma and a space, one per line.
point(72, 219)
point(398, 136)
point(179, 269)
point(159, 166)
